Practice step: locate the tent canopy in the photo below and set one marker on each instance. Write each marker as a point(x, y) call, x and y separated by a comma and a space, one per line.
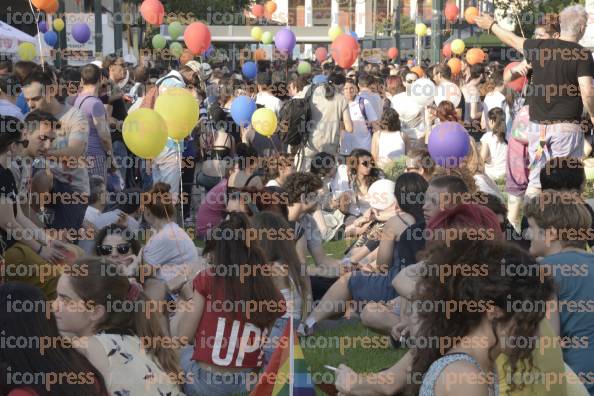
point(11, 37)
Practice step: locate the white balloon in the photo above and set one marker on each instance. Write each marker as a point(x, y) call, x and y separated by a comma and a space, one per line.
point(448, 91)
point(423, 90)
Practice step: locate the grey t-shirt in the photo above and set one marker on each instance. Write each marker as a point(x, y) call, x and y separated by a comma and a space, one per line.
point(310, 231)
point(326, 121)
point(72, 171)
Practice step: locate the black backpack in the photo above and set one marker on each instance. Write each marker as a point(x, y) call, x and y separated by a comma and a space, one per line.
point(293, 119)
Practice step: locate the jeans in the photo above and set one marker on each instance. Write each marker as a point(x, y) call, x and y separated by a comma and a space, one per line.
point(203, 382)
point(275, 334)
point(119, 155)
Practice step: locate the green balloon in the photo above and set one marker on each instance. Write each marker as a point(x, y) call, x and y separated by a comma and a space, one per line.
point(266, 38)
point(304, 68)
point(175, 30)
point(159, 41)
point(176, 49)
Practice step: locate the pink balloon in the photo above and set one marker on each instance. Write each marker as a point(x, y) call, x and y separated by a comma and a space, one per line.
point(321, 54)
point(197, 37)
point(258, 10)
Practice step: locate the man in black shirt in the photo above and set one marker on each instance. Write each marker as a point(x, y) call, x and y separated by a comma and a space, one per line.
point(562, 72)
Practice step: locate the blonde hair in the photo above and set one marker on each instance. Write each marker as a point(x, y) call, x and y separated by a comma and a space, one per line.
point(564, 212)
point(473, 161)
point(462, 173)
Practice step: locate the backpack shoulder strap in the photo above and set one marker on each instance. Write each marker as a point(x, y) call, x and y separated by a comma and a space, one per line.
point(83, 101)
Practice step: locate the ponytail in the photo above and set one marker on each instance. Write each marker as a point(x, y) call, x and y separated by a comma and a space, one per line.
point(497, 115)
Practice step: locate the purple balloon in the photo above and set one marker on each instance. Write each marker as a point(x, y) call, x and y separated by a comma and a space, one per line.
point(81, 32)
point(448, 144)
point(285, 40)
point(42, 26)
point(209, 51)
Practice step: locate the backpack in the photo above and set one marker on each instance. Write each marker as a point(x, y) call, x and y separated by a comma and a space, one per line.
point(148, 102)
point(293, 119)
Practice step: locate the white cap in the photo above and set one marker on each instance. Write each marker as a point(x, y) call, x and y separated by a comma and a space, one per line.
point(97, 63)
point(381, 194)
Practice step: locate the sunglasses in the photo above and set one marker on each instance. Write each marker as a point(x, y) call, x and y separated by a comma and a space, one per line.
point(366, 164)
point(24, 142)
point(122, 248)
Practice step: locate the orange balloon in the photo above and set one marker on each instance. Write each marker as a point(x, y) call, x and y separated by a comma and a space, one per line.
point(345, 50)
point(270, 7)
point(475, 56)
point(392, 52)
point(53, 7)
point(418, 70)
point(197, 37)
point(470, 13)
point(42, 5)
point(152, 11)
point(260, 54)
point(455, 66)
point(186, 56)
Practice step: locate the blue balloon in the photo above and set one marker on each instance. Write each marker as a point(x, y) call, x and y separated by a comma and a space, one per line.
point(242, 109)
point(42, 26)
point(51, 38)
point(354, 34)
point(209, 51)
point(249, 70)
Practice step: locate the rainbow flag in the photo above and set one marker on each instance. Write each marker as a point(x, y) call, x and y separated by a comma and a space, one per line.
point(287, 373)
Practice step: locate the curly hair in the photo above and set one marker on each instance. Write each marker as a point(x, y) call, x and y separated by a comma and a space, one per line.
point(301, 184)
point(494, 289)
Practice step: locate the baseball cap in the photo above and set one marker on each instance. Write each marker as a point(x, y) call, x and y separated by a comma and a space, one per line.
point(320, 79)
point(381, 194)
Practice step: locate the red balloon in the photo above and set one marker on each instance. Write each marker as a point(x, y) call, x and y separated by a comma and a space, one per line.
point(53, 7)
point(345, 50)
point(197, 37)
point(321, 54)
point(447, 50)
point(258, 10)
point(393, 53)
point(451, 12)
point(152, 11)
point(517, 84)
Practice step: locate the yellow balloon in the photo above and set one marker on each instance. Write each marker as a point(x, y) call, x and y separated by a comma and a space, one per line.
point(264, 122)
point(145, 133)
point(179, 109)
point(256, 33)
point(334, 32)
point(421, 29)
point(58, 24)
point(26, 51)
point(457, 46)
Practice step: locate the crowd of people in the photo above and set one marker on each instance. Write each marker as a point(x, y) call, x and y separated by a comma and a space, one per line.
point(482, 271)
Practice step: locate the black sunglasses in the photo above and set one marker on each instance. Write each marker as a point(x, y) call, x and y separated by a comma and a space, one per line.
point(366, 164)
point(105, 250)
point(24, 142)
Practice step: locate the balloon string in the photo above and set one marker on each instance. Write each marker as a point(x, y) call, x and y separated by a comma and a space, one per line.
point(38, 36)
point(181, 183)
point(519, 24)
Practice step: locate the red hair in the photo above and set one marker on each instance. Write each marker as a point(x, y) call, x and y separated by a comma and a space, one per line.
point(467, 216)
point(446, 111)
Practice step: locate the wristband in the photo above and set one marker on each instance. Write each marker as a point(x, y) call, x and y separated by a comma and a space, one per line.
point(491, 26)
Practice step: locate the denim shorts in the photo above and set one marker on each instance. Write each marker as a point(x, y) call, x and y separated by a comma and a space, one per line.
point(377, 287)
point(204, 382)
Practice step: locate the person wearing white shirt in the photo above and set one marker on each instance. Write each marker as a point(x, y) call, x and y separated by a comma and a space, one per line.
point(264, 97)
point(364, 120)
point(494, 99)
point(494, 146)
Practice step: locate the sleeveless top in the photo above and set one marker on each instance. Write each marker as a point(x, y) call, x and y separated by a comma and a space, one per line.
point(391, 146)
point(430, 378)
point(132, 371)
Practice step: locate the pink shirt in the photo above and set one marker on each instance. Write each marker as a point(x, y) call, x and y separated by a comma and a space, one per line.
point(212, 210)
